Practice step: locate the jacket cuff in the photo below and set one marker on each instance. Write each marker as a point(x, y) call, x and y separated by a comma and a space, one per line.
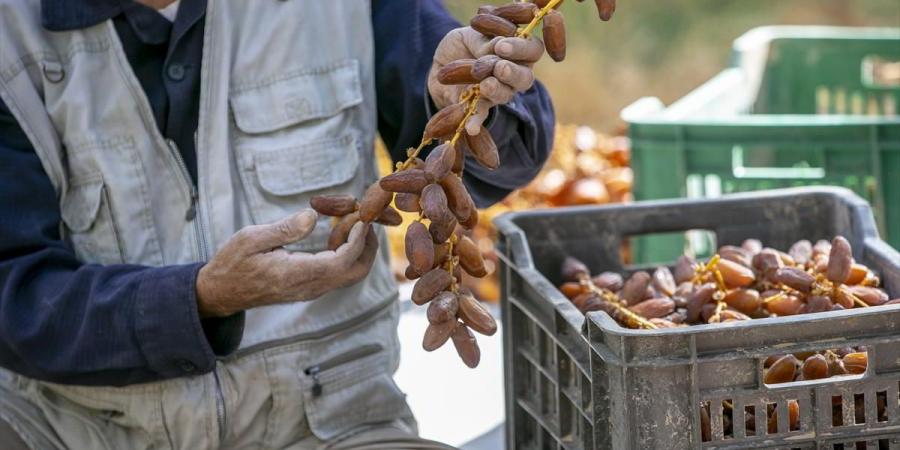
point(168, 327)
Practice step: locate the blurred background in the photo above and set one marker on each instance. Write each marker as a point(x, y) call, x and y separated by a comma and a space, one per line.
point(663, 49)
point(666, 48)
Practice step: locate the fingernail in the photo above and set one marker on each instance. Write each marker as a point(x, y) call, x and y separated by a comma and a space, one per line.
point(505, 71)
point(504, 48)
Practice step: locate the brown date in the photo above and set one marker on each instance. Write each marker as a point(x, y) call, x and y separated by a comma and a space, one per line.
point(573, 269)
point(390, 217)
point(484, 66)
point(609, 280)
point(734, 274)
point(783, 370)
point(801, 251)
point(475, 315)
point(407, 202)
point(795, 278)
point(333, 205)
point(492, 26)
point(443, 308)
point(635, 288)
point(555, 35)
point(430, 285)
point(443, 124)
point(840, 259)
point(419, 247)
point(815, 367)
point(743, 300)
point(457, 72)
point(654, 308)
point(518, 12)
point(411, 181)
point(684, 269)
point(466, 345)
point(856, 363)
point(458, 199)
point(470, 257)
point(483, 148)
point(664, 281)
point(373, 203)
point(434, 203)
point(440, 161)
point(442, 228)
point(341, 231)
point(437, 334)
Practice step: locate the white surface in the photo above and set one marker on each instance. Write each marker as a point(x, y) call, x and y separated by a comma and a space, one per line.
point(453, 404)
point(171, 11)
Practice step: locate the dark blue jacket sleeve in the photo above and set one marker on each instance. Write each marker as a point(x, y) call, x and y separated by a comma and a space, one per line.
point(406, 36)
point(68, 322)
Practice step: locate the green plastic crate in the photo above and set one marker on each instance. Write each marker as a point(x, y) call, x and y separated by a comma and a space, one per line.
point(799, 106)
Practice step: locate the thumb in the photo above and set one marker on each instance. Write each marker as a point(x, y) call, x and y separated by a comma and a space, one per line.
point(293, 228)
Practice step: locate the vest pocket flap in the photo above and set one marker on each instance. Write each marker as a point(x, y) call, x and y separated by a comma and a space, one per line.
point(262, 106)
point(307, 167)
point(79, 210)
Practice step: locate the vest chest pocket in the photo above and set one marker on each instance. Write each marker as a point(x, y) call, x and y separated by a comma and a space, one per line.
point(88, 223)
point(295, 137)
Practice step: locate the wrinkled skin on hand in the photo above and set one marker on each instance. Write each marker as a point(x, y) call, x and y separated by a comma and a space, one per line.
point(512, 74)
point(253, 269)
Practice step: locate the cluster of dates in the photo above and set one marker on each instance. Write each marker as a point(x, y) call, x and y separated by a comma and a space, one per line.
point(742, 283)
point(738, 283)
point(800, 367)
point(436, 244)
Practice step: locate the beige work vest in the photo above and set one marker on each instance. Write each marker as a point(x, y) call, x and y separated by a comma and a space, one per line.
point(287, 111)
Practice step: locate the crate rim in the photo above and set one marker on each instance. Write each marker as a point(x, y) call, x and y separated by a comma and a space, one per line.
point(506, 225)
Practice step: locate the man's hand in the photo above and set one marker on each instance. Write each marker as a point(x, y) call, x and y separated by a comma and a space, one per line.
point(511, 74)
point(253, 269)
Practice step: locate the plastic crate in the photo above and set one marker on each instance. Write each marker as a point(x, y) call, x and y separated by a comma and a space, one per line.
point(799, 106)
point(576, 382)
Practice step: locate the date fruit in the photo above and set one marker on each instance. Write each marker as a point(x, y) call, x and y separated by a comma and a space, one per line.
point(466, 345)
point(443, 308)
point(333, 205)
point(419, 247)
point(373, 203)
point(457, 72)
point(492, 26)
point(437, 334)
point(555, 35)
point(432, 283)
point(410, 181)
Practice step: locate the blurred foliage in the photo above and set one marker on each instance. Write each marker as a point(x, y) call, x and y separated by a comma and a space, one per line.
point(666, 48)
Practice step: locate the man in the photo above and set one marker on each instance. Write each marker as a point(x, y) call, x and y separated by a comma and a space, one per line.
point(161, 283)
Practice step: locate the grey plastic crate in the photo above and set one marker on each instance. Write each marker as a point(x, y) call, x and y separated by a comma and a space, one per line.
point(586, 383)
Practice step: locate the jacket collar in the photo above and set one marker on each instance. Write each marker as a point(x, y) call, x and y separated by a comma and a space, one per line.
point(64, 15)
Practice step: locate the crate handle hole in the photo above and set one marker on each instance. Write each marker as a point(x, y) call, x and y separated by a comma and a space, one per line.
point(654, 249)
point(750, 420)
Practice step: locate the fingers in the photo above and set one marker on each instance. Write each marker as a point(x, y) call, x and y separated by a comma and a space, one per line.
point(361, 267)
point(518, 77)
point(519, 49)
point(349, 252)
point(462, 43)
point(473, 124)
point(263, 238)
point(495, 91)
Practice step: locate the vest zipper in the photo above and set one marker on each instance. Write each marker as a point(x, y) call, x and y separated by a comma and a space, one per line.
point(339, 360)
point(192, 213)
point(220, 407)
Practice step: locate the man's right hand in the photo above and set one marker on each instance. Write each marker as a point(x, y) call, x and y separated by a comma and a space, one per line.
point(253, 269)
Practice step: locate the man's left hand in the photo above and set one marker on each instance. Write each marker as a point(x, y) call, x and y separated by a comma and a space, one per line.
point(512, 74)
